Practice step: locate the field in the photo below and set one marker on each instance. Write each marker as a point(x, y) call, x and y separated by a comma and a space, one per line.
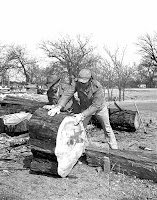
point(84, 182)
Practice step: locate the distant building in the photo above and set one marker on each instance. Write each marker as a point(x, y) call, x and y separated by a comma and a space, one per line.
point(142, 86)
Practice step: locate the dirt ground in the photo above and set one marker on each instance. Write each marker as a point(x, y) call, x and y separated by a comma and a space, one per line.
point(84, 182)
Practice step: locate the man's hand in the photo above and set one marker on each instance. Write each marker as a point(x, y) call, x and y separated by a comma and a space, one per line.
point(54, 110)
point(48, 107)
point(78, 118)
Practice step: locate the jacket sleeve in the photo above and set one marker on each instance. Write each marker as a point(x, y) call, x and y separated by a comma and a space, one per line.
point(97, 103)
point(68, 93)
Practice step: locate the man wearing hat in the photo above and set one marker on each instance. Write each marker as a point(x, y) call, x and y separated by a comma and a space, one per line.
point(92, 102)
point(56, 88)
point(53, 83)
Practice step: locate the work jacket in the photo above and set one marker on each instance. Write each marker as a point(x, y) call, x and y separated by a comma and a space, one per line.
point(54, 93)
point(91, 100)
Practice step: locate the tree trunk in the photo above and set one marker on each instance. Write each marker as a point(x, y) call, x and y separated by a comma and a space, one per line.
point(125, 120)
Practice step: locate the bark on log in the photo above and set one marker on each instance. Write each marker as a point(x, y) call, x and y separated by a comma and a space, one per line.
point(43, 129)
point(133, 163)
point(44, 162)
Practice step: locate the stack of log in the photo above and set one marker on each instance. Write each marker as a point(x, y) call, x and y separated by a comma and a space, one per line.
point(120, 119)
point(43, 132)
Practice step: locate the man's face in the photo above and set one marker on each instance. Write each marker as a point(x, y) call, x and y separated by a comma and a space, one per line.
point(84, 86)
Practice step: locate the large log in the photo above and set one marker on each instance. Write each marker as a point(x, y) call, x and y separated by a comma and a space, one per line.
point(126, 120)
point(43, 132)
point(43, 129)
point(140, 164)
point(13, 104)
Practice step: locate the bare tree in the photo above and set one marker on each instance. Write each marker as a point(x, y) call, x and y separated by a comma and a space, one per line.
point(18, 58)
point(118, 72)
point(148, 50)
point(70, 55)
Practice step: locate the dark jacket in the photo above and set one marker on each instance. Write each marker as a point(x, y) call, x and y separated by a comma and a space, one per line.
point(91, 100)
point(54, 93)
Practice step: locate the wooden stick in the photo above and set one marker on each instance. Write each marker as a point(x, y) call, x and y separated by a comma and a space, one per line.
point(140, 118)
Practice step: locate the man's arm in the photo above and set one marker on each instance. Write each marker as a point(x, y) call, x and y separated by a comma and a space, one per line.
point(97, 103)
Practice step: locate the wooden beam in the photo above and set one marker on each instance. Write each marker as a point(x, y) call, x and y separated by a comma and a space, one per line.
point(133, 163)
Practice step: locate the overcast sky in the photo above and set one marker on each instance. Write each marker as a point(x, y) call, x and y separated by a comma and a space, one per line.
point(110, 22)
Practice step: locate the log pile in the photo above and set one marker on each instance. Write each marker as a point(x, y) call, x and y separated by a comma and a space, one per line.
point(43, 132)
point(122, 120)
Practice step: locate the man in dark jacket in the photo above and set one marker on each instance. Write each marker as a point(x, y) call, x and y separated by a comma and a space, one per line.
point(56, 87)
point(92, 102)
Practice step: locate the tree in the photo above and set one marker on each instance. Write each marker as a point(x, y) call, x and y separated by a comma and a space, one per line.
point(147, 71)
point(148, 66)
point(70, 55)
point(18, 58)
point(118, 73)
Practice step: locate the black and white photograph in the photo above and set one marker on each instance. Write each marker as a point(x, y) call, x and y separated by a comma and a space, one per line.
point(78, 100)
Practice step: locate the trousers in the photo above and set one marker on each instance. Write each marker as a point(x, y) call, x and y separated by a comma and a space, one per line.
point(103, 118)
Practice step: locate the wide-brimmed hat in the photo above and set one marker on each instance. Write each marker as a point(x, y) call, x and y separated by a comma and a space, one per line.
point(52, 79)
point(84, 75)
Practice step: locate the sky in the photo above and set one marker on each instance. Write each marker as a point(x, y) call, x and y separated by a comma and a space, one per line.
point(109, 22)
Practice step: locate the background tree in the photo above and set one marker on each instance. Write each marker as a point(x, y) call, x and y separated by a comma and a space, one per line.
point(118, 72)
point(18, 58)
point(147, 48)
point(4, 66)
point(70, 55)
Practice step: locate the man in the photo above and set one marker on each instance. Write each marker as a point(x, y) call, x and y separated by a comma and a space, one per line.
point(56, 87)
point(53, 92)
point(92, 102)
